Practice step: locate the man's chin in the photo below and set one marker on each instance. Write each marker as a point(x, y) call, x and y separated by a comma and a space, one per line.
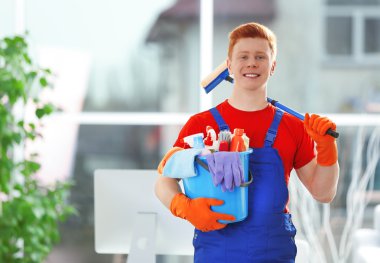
point(253, 87)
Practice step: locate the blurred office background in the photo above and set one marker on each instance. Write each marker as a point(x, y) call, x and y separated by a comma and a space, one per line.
point(128, 74)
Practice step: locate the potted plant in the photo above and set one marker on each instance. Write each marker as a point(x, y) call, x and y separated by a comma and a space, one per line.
point(30, 213)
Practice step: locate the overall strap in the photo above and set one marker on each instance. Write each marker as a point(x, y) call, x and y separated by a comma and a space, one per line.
point(272, 132)
point(219, 120)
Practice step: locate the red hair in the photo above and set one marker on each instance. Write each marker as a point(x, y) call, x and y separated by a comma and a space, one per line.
point(252, 30)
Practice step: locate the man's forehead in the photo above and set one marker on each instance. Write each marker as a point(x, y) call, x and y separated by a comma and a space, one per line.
point(249, 43)
point(249, 51)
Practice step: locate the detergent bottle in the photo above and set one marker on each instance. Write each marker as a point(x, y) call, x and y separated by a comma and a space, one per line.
point(246, 141)
point(189, 140)
point(237, 141)
point(198, 144)
point(210, 141)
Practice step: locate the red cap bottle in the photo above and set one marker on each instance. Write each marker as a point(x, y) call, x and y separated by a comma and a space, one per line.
point(237, 141)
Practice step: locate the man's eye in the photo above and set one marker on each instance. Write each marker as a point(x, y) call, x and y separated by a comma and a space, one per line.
point(244, 57)
point(260, 57)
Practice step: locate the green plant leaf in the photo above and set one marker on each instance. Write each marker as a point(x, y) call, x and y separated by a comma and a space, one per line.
point(45, 110)
point(30, 213)
point(47, 70)
point(27, 59)
point(30, 76)
point(43, 82)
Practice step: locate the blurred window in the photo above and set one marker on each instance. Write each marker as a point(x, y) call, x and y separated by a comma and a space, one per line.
point(353, 2)
point(339, 35)
point(134, 49)
point(353, 30)
point(372, 35)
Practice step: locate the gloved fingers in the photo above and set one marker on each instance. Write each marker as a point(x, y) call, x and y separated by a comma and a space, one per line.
point(327, 125)
point(228, 176)
point(241, 179)
point(241, 172)
point(309, 119)
point(223, 187)
point(167, 156)
point(318, 126)
point(204, 229)
point(214, 201)
point(212, 168)
point(220, 216)
point(312, 120)
point(210, 163)
point(219, 174)
point(217, 178)
point(317, 121)
point(322, 122)
point(308, 124)
point(237, 176)
point(215, 169)
point(238, 171)
point(215, 226)
point(306, 119)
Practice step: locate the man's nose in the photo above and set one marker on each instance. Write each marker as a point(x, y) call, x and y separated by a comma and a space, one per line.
point(252, 63)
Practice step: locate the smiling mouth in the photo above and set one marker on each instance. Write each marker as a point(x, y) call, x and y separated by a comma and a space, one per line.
point(251, 75)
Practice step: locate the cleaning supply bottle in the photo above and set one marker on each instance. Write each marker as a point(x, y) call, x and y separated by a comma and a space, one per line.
point(190, 139)
point(198, 144)
point(237, 141)
point(210, 141)
point(246, 141)
point(224, 140)
point(210, 136)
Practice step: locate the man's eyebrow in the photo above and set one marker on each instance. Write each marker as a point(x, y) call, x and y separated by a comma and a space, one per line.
point(261, 52)
point(256, 52)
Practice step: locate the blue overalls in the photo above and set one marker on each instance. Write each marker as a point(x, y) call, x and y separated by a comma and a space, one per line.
point(267, 234)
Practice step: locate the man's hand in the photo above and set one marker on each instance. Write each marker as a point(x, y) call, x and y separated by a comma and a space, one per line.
point(316, 126)
point(198, 212)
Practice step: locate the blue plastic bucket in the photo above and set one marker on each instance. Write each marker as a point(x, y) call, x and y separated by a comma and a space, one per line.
point(235, 202)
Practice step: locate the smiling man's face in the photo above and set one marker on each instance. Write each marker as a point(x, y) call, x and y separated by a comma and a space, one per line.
point(251, 63)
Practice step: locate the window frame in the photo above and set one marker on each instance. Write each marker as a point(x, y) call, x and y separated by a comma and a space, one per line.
point(358, 14)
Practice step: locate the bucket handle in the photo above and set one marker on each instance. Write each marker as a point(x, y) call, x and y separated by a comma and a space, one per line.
point(205, 166)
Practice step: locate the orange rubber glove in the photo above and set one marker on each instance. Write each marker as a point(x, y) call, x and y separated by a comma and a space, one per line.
point(316, 126)
point(198, 212)
point(167, 156)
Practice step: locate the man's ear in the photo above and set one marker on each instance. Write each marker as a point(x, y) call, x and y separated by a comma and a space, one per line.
point(273, 67)
point(228, 62)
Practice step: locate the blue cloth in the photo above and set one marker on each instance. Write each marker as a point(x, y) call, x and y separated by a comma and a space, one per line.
point(181, 164)
point(267, 234)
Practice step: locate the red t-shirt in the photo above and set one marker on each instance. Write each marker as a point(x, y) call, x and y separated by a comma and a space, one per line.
point(294, 145)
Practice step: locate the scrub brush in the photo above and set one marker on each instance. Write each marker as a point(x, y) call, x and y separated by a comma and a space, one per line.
point(224, 139)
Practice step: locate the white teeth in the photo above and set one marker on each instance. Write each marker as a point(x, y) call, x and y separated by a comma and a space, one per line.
point(251, 75)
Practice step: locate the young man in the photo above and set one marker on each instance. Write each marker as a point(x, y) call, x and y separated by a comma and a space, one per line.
point(280, 143)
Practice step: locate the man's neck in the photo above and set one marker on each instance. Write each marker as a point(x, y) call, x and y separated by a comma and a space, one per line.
point(248, 100)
